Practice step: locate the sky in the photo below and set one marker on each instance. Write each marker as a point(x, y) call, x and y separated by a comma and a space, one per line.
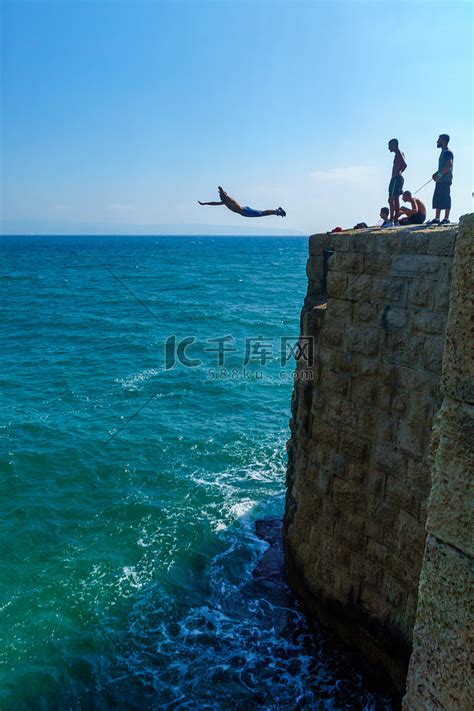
point(119, 115)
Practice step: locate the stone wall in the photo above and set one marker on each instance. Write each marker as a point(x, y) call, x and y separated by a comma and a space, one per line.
point(358, 474)
point(439, 675)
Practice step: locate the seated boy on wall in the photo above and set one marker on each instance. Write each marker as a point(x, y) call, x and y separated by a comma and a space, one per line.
point(384, 213)
point(416, 213)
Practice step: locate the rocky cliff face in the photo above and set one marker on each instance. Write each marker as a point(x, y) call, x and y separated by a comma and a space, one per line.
point(439, 672)
point(358, 475)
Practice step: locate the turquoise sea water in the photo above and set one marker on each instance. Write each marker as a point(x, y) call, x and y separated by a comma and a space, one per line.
point(130, 490)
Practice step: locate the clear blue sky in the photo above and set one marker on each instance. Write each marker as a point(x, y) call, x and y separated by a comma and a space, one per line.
point(128, 112)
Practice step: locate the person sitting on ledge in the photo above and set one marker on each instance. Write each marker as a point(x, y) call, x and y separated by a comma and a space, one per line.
point(244, 211)
point(384, 213)
point(416, 214)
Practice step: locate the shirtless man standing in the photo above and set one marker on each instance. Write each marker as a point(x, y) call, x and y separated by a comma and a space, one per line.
point(416, 213)
point(395, 187)
point(244, 211)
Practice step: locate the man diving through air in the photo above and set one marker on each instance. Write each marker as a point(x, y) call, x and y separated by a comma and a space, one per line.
point(244, 211)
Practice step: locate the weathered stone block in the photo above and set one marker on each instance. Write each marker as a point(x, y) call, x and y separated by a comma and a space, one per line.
point(326, 358)
point(408, 501)
point(441, 296)
point(359, 287)
point(428, 322)
point(414, 243)
point(383, 512)
point(340, 309)
point(325, 480)
point(356, 471)
point(377, 552)
point(412, 438)
point(330, 260)
point(412, 543)
point(342, 413)
point(409, 525)
point(439, 673)
point(376, 480)
point(421, 408)
point(393, 318)
point(331, 334)
point(362, 242)
point(358, 564)
point(311, 324)
point(372, 601)
point(401, 349)
point(400, 403)
point(433, 353)
point(305, 551)
point(418, 477)
point(377, 264)
point(404, 241)
point(421, 292)
point(411, 379)
point(452, 495)
point(333, 382)
point(338, 242)
point(314, 266)
point(367, 420)
point(324, 433)
point(400, 568)
point(347, 362)
point(337, 285)
point(442, 244)
point(318, 243)
point(388, 431)
point(385, 395)
point(364, 391)
point(364, 313)
point(392, 591)
point(458, 371)
point(389, 374)
point(347, 262)
point(389, 460)
point(389, 289)
point(354, 447)
point(382, 243)
point(362, 340)
point(414, 264)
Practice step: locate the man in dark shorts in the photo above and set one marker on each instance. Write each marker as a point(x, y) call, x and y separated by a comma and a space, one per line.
point(416, 213)
point(443, 179)
point(395, 187)
point(244, 211)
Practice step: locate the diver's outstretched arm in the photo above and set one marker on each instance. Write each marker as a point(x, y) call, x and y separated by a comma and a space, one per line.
point(210, 203)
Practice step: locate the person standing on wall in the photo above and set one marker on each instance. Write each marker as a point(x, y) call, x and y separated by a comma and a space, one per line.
point(395, 187)
point(443, 179)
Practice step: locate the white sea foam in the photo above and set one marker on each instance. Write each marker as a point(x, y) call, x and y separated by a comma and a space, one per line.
point(136, 380)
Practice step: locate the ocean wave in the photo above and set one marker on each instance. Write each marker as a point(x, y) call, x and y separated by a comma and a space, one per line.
point(135, 381)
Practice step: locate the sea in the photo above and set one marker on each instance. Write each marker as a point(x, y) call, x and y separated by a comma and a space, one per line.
point(146, 386)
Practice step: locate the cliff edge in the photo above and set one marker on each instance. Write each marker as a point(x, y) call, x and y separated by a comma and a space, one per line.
point(375, 325)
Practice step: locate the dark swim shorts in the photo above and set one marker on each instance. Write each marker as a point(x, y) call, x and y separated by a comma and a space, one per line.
point(442, 196)
point(250, 212)
point(395, 186)
point(417, 219)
